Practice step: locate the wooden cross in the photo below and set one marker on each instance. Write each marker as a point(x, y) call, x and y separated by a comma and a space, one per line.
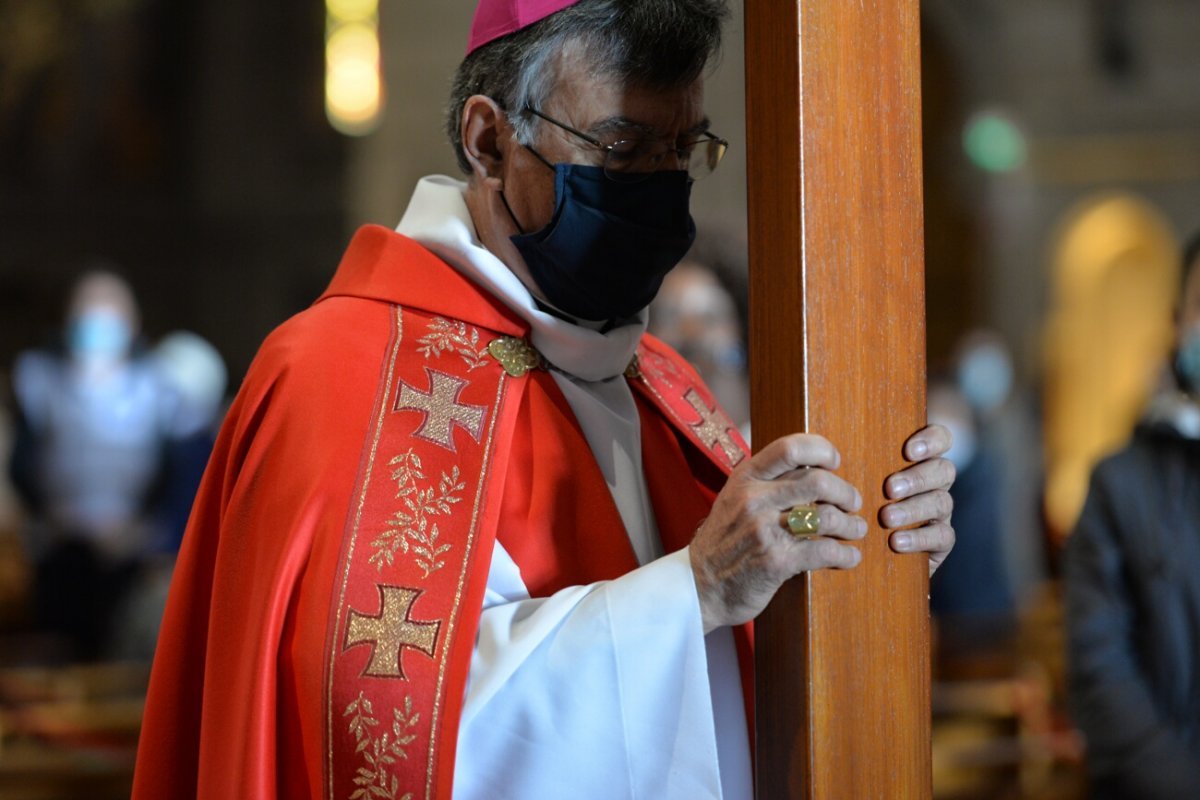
point(838, 348)
point(441, 408)
point(391, 631)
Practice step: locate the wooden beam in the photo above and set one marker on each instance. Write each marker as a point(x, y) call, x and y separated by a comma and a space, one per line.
point(838, 348)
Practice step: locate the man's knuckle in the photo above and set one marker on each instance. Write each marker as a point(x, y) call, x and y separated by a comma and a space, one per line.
point(828, 551)
point(796, 449)
point(918, 482)
point(819, 483)
point(945, 505)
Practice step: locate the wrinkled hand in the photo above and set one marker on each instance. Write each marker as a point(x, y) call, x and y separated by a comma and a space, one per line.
point(921, 498)
point(743, 552)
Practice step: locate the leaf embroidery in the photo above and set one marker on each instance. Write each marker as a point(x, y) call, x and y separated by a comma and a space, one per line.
point(375, 778)
point(409, 529)
point(455, 337)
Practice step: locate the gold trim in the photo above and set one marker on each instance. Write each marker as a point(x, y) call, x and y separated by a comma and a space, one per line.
point(452, 617)
point(384, 403)
point(684, 424)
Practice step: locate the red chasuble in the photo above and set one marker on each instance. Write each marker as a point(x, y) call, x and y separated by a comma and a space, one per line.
point(323, 612)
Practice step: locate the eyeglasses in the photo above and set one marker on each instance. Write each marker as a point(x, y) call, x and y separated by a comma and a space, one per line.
point(632, 160)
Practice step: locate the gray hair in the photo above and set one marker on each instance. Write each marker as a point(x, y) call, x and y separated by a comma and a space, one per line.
point(653, 44)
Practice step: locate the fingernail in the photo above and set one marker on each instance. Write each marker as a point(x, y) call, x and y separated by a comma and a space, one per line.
point(894, 517)
point(900, 487)
point(902, 541)
point(919, 449)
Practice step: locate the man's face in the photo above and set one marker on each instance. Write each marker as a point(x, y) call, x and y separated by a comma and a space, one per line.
point(599, 106)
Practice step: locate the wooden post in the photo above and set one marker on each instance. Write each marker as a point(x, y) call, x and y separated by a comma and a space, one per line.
point(838, 348)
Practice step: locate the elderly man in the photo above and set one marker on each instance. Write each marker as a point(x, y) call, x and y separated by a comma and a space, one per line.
point(467, 530)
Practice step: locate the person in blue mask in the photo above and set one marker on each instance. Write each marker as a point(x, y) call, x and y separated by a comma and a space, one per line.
point(1133, 591)
point(469, 531)
point(94, 418)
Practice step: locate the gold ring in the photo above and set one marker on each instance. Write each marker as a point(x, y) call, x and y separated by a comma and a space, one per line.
point(804, 521)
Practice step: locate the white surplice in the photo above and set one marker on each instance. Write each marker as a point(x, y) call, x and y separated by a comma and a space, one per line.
point(602, 691)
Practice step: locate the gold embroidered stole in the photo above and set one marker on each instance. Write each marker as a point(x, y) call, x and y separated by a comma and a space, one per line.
point(408, 585)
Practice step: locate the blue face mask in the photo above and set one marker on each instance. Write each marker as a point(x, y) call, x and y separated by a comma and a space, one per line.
point(609, 245)
point(99, 335)
point(1187, 363)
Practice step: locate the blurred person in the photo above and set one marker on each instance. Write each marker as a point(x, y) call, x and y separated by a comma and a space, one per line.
point(467, 530)
point(93, 419)
point(1008, 436)
point(699, 317)
point(1133, 591)
point(978, 588)
point(196, 374)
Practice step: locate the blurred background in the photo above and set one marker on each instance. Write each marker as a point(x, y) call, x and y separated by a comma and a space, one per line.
point(178, 177)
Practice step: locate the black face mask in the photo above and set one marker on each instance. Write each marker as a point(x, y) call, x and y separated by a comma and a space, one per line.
point(609, 245)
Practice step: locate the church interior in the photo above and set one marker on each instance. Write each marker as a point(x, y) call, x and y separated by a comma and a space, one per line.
point(218, 155)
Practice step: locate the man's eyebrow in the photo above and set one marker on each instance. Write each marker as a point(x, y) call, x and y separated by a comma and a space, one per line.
point(619, 124)
point(623, 125)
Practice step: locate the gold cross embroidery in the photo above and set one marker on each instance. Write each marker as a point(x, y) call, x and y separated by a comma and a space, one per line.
point(391, 631)
point(713, 428)
point(441, 409)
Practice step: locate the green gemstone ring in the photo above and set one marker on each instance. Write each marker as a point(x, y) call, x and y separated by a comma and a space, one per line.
point(803, 521)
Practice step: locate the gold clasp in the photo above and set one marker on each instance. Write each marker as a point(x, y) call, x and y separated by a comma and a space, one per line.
point(516, 355)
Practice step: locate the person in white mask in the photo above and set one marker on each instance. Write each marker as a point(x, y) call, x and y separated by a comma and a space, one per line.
point(93, 417)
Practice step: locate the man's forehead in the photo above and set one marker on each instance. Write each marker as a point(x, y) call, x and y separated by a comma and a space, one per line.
point(600, 104)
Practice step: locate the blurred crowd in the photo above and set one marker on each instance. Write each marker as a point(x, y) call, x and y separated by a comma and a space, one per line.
point(110, 433)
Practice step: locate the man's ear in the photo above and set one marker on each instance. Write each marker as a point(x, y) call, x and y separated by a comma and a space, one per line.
point(485, 136)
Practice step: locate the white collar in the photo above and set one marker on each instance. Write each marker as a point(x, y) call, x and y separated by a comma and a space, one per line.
point(438, 218)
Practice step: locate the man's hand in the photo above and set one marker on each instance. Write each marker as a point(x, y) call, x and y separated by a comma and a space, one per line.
point(743, 552)
point(921, 498)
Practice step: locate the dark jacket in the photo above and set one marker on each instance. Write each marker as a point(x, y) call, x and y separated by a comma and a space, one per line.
point(1132, 573)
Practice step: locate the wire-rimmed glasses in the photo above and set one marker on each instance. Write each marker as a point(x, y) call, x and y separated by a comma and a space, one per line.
point(631, 160)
